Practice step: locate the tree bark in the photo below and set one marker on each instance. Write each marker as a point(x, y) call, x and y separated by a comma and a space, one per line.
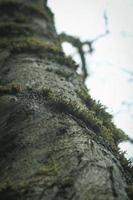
point(50, 147)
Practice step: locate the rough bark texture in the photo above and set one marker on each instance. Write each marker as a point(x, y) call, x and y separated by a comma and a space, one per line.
point(49, 147)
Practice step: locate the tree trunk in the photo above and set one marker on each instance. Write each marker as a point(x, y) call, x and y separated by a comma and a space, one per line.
point(53, 145)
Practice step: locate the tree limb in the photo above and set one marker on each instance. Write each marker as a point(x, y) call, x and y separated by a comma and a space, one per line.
point(77, 43)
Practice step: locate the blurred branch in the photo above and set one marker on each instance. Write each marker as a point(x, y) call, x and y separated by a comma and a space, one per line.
point(77, 43)
point(130, 140)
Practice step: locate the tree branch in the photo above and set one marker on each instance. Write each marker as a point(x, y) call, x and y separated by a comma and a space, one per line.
point(77, 43)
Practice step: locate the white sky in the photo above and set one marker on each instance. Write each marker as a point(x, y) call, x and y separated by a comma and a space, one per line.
point(108, 82)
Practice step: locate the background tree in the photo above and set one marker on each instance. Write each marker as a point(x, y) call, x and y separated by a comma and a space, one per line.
point(55, 141)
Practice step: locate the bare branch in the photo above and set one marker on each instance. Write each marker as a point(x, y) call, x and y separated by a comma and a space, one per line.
point(106, 32)
point(130, 140)
point(77, 43)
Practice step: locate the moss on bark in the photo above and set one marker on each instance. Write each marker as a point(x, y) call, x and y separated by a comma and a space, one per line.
point(55, 141)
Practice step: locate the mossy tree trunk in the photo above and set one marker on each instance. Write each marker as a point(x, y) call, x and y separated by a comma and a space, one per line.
point(55, 142)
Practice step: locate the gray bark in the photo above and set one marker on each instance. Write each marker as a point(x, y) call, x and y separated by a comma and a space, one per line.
point(47, 151)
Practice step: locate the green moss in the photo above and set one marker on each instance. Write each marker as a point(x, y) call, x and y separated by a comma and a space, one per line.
point(28, 43)
point(68, 61)
point(39, 47)
point(101, 124)
point(106, 119)
point(128, 169)
point(119, 135)
point(97, 107)
point(49, 169)
point(130, 191)
point(47, 172)
point(80, 112)
point(127, 164)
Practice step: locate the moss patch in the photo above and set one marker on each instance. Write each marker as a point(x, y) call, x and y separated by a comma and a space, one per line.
point(106, 118)
point(127, 166)
point(39, 47)
point(28, 43)
point(96, 122)
point(79, 111)
point(130, 191)
point(49, 169)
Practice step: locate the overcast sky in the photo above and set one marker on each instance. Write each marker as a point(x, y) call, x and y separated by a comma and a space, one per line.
point(109, 79)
